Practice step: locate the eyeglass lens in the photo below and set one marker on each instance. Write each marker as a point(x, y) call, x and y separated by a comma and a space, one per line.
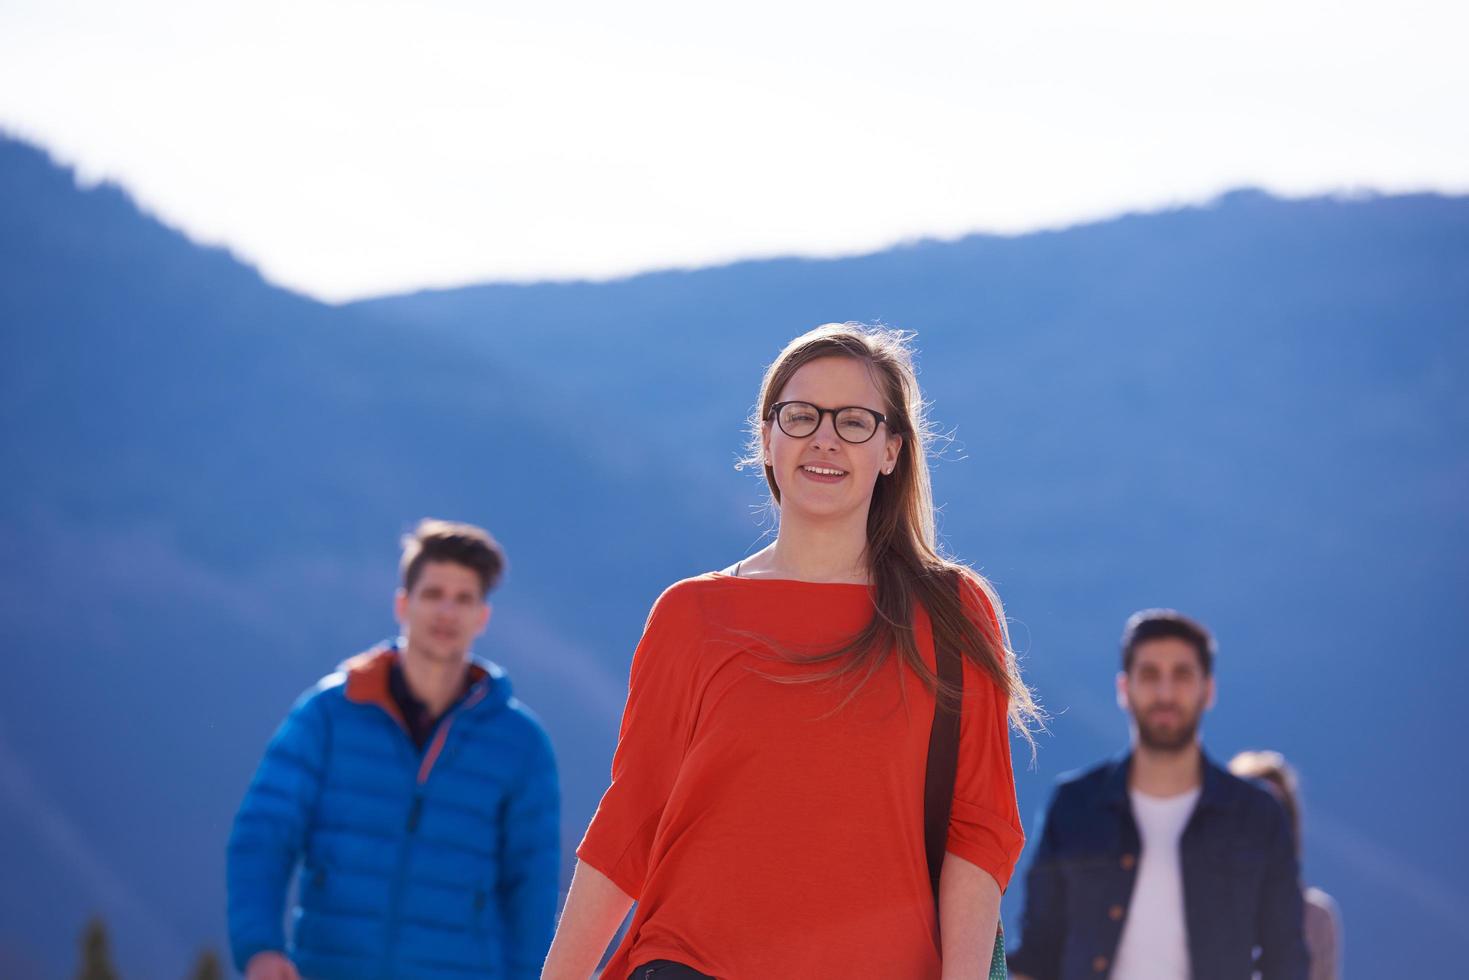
point(800, 419)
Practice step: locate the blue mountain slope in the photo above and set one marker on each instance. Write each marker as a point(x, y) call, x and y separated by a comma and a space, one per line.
point(1253, 410)
point(206, 480)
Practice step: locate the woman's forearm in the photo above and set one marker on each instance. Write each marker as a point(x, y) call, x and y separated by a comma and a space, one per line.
point(595, 907)
point(969, 911)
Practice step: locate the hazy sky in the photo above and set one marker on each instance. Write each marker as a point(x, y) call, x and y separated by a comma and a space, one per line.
point(354, 148)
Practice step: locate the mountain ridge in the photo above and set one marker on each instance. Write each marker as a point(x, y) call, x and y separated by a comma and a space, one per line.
point(1255, 413)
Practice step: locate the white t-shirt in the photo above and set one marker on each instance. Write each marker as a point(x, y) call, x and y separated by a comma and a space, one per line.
point(1154, 943)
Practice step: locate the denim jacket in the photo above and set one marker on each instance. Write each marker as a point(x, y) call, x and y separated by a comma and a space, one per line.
point(1241, 887)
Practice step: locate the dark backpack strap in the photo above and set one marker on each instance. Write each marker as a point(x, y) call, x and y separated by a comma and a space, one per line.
point(938, 785)
point(943, 761)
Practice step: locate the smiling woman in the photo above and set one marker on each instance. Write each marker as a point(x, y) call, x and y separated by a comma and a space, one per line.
point(769, 805)
point(808, 453)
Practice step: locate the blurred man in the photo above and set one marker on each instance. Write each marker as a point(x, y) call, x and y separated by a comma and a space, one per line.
point(417, 796)
point(1160, 864)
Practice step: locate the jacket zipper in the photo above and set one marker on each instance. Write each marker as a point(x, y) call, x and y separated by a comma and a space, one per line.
point(415, 813)
point(400, 875)
point(441, 735)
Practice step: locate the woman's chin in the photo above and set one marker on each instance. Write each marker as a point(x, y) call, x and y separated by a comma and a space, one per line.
point(822, 507)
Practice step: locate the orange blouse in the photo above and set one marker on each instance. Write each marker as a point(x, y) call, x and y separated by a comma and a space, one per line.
point(768, 829)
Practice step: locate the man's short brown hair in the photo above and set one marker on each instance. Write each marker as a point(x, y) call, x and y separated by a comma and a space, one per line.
point(1151, 624)
point(450, 541)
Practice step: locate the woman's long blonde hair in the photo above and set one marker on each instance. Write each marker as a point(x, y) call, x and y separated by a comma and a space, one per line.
point(907, 571)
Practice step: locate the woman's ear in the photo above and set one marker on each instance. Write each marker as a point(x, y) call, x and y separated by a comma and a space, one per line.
point(890, 458)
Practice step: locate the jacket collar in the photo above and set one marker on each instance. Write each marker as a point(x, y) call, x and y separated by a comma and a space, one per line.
point(369, 673)
point(1214, 792)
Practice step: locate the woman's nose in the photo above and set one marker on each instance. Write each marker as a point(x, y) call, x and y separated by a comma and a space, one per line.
point(826, 431)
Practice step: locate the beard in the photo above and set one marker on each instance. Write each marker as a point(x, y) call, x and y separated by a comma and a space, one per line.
point(1168, 736)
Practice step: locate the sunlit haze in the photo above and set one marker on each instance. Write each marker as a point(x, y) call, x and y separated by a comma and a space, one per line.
point(352, 149)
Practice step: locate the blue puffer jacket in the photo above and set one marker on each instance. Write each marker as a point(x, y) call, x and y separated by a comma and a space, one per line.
point(414, 865)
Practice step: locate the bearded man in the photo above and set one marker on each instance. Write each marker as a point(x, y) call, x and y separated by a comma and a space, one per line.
point(1160, 864)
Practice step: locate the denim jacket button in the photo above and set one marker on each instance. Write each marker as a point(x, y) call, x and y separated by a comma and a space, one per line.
point(1128, 860)
point(1099, 964)
point(1115, 913)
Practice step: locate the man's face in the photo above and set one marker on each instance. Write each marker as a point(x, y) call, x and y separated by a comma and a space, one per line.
point(1166, 692)
point(444, 613)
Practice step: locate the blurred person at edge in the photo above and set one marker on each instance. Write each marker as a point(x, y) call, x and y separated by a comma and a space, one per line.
point(1323, 918)
point(1159, 864)
point(766, 810)
point(417, 795)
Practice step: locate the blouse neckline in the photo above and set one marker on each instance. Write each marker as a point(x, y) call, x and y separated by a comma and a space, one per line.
point(784, 581)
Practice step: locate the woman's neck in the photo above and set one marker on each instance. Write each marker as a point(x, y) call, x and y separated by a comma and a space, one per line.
point(811, 552)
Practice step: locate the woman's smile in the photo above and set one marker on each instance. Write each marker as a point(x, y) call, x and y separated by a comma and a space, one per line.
point(823, 474)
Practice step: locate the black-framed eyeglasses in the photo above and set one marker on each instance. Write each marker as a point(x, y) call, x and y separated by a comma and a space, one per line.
point(852, 423)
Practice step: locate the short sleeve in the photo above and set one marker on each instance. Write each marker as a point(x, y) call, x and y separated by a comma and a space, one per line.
point(655, 732)
point(984, 823)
